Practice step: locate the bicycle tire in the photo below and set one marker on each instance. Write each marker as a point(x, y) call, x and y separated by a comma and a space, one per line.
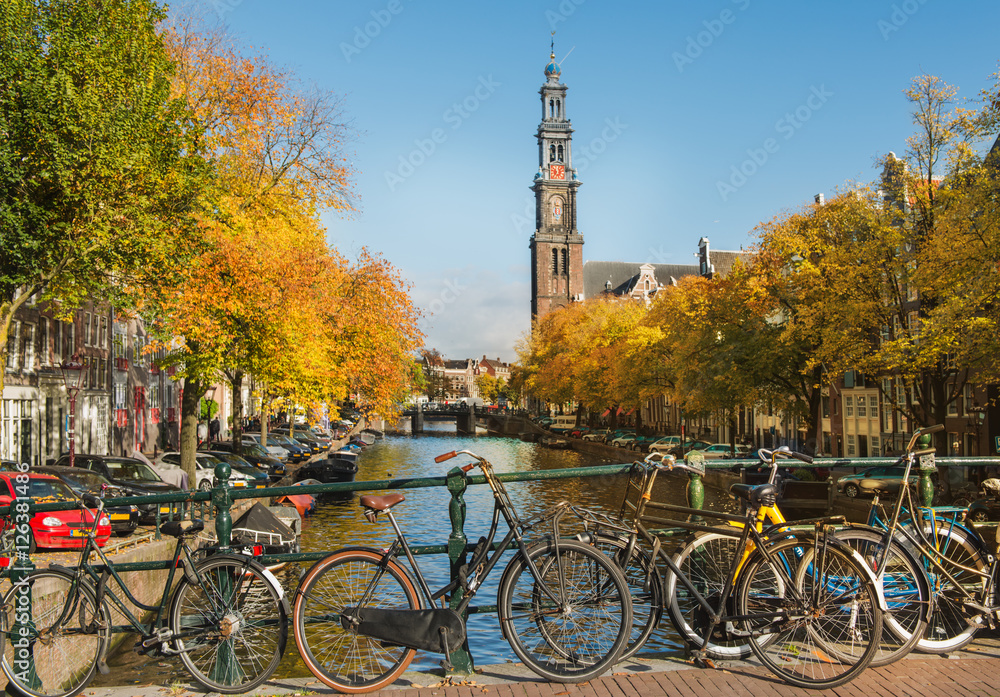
point(705, 560)
point(63, 654)
point(953, 624)
point(904, 586)
point(231, 626)
point(645, 587)
point(578, 638)
point(342, 658)
point(823, 641)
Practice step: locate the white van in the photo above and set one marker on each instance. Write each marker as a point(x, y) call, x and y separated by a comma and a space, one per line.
point(563, 423)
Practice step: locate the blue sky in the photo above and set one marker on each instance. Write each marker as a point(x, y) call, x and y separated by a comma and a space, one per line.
point(669, 99)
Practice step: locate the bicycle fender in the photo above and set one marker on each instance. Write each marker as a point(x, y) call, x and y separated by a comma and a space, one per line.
point(265, 572)
point(907, 548)
point(844, 547)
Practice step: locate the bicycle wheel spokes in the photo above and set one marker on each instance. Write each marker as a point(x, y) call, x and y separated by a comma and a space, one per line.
point(330, 647)
point(904, 587)
point(645, 586)
point(823, 619)
point(46, 657)
point(582, 637)
point(232, 627)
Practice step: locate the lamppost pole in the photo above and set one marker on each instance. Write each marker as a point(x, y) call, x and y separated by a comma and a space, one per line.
point(72, 372)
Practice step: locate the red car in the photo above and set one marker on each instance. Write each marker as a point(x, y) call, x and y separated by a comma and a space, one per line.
point(55, 529)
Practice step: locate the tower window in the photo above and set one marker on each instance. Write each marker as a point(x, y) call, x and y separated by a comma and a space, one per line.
point(559, 108)
point(560, 155)
point(552, 153)
point(565, 263)
point(552, 109)
point(555, 261)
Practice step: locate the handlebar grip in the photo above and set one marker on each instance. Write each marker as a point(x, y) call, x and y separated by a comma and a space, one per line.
point(933, 429)
point(925, 451)
point(446, 456)
point(803, 457)
point(91, 501)
point(469, 467)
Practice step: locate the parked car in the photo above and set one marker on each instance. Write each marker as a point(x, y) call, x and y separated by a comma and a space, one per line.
point(124, 519)
point(888, 477)
point(596, 435)
point(671, 445)
point(623, 440)
point(314, 445)
point(256, 456)
point(272, 447)
point(642, 443)
point(984, 509)
point(204, 470)
point(256, 477)
point(718, 451)
point(134, 478)
point(297, 452)
point(55, 529)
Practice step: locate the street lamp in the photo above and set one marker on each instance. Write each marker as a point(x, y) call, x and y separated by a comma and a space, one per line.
point(72, 372)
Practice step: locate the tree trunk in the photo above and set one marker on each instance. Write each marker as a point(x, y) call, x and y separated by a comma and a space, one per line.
point(191, 397)
point(236, 381)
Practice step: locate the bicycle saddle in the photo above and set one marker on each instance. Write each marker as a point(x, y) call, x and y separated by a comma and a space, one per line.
point(381, 503)
point(758, 494)
point(176, 528)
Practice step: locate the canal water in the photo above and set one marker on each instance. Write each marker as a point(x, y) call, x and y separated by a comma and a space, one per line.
point(423, 517)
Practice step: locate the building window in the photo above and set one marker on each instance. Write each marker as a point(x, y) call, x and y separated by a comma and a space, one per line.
point(552, 153)
point(28, 347)
point(86, 329)
point(848, 406)
point(104, 333)
point(555, 261)
point(560, 154)
point(862, 411)
point(69, 340)
point(873, 406)
point(57, 341)
point(851, 447)
point(876, 447)
point(565, 263)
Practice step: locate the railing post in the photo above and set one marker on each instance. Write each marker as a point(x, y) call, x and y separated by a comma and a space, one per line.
point(222, 502)
point(461, 658)
point(926, 485)
point(695, 491)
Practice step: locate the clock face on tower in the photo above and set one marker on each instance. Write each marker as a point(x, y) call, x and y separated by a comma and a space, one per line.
point(557, 171)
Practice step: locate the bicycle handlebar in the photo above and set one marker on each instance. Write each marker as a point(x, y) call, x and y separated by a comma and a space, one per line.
point(923, 432)
point(455, 453)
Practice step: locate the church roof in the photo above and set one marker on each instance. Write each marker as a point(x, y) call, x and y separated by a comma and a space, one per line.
point(722, 262)
point(623, 275)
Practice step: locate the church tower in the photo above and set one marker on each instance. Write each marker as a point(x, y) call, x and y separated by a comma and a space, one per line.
point(556, 246)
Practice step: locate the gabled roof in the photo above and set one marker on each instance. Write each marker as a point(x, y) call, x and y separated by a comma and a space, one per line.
point(723, 261)
point(623, 275)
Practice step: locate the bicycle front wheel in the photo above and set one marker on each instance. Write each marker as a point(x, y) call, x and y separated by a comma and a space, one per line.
point(823, 619)
point(328, 641)
point(54, 634)
point(645, 586)
point(904, 585)
point(231, 627)
point(573, 622)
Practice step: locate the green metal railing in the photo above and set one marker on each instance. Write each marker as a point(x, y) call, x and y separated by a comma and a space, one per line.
point(222, 497)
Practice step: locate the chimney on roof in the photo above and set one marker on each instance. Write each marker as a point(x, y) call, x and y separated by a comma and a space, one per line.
point(819, 199)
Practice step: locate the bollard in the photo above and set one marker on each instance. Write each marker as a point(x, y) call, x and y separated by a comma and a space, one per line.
point(461, 658)
point(222, 502)
point(925, 488)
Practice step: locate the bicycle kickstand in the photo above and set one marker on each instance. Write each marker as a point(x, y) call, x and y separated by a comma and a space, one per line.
point(701, 660)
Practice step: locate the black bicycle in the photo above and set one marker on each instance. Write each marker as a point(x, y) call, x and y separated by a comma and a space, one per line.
point(227, 618)
point(564, 607)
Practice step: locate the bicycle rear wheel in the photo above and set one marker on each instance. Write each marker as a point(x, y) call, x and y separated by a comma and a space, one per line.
point(706, 561)
point(825, 624)
point(52, 650)
point(645, 586)
point(335, 653)
point(232, 626)
point(573, 623)
point(953, 624)
point(905, 587)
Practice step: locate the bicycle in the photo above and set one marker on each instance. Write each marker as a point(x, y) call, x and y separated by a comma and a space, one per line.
point(805, 604)
point(564, 607)
point(227, 618)
point(961, 569)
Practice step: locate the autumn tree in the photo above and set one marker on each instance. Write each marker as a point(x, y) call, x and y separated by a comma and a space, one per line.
point(98, 170)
